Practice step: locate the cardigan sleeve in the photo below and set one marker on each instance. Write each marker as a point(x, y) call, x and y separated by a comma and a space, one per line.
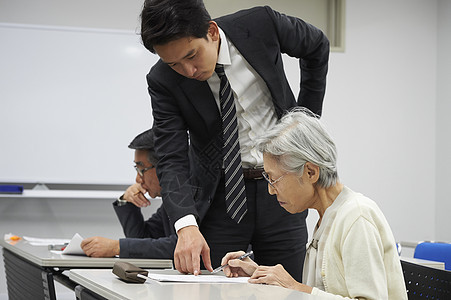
point(326, 295)
point(360, 269)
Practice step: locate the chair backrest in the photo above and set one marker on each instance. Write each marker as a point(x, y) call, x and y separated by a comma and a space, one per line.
point(426, 283)
point(434, 251)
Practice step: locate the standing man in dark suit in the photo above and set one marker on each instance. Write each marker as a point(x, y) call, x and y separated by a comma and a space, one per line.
point(218, 86)
point(151, 238)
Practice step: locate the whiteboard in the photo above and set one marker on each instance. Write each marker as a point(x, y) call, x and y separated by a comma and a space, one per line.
point(71, 100)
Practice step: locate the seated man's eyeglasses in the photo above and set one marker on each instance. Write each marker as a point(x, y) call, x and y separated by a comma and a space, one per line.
point(141, 171)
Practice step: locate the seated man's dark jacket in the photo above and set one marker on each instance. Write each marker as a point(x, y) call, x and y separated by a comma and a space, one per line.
point(153, 238)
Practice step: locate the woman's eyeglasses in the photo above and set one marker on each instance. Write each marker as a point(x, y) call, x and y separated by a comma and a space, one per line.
point(272, 182)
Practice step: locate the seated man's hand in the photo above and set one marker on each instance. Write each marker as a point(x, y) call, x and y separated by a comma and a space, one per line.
point(237, 267)
point(190, 246)
point(100, 247)
point(135, 194)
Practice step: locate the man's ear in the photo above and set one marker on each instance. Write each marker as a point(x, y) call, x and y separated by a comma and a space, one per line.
point(213, 31)
point(312, 172)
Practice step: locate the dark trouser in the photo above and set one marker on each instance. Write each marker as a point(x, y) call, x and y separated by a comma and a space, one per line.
point(276, 236)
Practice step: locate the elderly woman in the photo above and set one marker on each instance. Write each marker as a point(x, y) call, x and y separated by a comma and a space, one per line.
point(353, 252)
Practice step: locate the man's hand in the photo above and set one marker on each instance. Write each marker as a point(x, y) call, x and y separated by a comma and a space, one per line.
point(135, 194)
point(100, 247)
point(190, 246)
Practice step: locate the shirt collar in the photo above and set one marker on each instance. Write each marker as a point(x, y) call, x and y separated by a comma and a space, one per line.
point(224, 54)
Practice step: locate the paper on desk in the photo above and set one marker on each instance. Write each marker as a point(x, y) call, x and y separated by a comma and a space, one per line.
point(44, 242)
point(74, 246)
point(198, 278)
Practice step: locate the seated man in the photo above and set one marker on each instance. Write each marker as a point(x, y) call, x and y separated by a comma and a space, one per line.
point(154, 238)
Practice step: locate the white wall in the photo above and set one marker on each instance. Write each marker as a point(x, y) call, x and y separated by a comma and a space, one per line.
point(387, 107)
point(107, 14)
point(443, 161)
point(381, 109)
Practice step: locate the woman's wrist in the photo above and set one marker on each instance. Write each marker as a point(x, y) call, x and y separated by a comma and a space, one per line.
point(302, 288)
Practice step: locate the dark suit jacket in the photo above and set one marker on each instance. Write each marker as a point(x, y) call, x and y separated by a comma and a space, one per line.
point(154, 238)
point(181, 105)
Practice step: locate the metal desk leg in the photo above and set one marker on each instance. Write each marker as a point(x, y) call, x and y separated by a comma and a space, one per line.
point(83, 293)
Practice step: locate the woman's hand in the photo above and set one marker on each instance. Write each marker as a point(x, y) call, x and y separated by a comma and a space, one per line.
point(237, 267)
point(277, 275)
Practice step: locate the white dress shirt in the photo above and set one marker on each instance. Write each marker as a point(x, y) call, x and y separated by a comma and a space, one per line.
point(254, 107)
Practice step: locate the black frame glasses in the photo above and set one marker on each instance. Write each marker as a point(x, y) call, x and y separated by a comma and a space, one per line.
point(142, 171)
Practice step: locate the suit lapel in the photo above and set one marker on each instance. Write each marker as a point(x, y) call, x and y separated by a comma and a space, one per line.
point(201, 97)
point(256, 54)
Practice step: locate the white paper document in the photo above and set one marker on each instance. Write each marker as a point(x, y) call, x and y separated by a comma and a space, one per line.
point(43, 241)
point(74, 246)
point(198, 278)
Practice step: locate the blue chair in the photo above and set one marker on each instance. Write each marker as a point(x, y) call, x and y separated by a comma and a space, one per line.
point(434, 251)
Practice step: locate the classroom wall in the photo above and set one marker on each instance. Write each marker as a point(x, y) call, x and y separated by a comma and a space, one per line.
point(443, 160)
point(386, 106)
point(381, 108)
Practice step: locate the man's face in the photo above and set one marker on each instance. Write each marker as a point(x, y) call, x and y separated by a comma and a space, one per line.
point(192, 57)
point(149, 180)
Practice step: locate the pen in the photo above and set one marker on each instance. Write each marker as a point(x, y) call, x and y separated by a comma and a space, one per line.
point(58, 247)
point(220, 268)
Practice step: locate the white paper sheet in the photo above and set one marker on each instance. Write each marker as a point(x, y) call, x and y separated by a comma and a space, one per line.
point(43, 241)
point(74, 246)
point(199, 278)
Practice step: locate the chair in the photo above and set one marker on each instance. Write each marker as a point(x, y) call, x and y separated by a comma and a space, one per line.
point(426, 283)
point(399, 248)
point(434, 251)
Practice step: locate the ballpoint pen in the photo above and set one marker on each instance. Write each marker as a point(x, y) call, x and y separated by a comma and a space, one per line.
point(58, 247)
point(220, 268)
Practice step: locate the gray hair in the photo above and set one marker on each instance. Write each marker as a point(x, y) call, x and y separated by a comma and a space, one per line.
point(299, 137)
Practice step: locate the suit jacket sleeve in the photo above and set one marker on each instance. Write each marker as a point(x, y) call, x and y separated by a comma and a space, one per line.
point(262, 35)
point(309, 44)
point(152, 238)
point(162, 248)
point(171, 109)
point(133, 223)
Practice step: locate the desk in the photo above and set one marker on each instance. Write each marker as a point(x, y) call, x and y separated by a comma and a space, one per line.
point(428, 263)
point(30, 270)
point(63, 194)
point(104, 284)
point(66, 191)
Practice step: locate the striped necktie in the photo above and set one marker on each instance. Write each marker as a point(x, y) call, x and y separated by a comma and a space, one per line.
point(235, 194)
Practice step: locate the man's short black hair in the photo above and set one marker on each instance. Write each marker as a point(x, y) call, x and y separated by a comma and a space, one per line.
point(163, 21)
point(145, 141)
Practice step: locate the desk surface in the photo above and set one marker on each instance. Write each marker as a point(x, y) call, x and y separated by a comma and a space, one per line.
point(428, 263)
point(65, 194)
point(106, 284)
point(40, 255)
